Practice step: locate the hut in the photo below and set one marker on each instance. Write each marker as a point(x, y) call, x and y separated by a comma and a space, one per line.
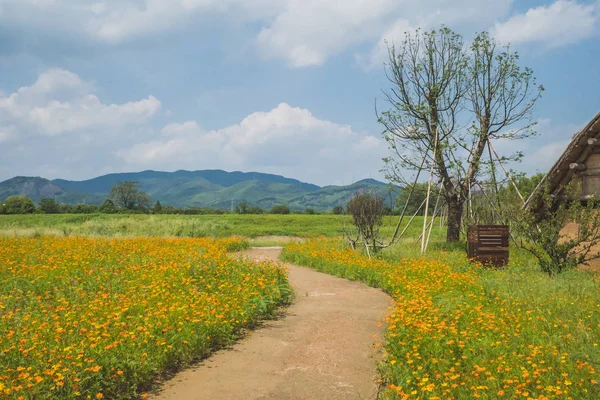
point(580, 161)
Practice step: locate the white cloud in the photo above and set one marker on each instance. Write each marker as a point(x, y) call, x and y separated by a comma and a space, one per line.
point(300, 32)
point(393, 36)
point(467, 16)
point(557, 24)
point(543, 150)
point(58, 127)
point(307, 32)
point(543, 158)
point(286, 140)
point(60, 102)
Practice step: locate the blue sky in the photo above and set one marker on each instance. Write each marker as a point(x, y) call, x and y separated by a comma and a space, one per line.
point(278, 86)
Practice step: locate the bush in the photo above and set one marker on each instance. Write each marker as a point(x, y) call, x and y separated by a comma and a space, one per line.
point(337, 210)
point(49, 206)
point(367, 216)
point(543, 235)
point(280, 209)
point(18, 205)
point(108, 207)
point(309, 211)
point(157, 209)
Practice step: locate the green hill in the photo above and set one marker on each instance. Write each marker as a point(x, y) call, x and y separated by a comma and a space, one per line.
point(208, 188)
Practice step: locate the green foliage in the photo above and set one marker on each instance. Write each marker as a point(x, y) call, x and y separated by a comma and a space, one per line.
point(129, 196)
point(241, 208)
point(419, 193)
point(49, 206)
point(157, 209)
point(108, 207)
point(542, 230)
point(337, 210)
point(84, 209)
point(18, 205)
point(254, 210)
point(280, 209)
point(186, 189)
point(437, 87)
point(309, 211)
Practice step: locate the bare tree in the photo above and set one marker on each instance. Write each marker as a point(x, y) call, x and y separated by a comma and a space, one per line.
point(367, 216)
point(446, 104)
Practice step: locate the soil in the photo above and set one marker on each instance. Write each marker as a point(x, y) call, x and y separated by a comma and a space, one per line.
point(571, 230)
point(324, 347)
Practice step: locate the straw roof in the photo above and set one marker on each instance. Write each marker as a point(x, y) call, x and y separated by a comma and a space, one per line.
point(581, 147)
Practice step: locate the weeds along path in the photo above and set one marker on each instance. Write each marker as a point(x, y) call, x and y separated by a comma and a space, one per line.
point(321, 349)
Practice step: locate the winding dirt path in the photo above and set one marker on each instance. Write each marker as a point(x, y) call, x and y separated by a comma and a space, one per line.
point(321, 349)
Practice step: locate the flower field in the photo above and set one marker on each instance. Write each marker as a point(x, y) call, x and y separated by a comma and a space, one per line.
point(100, 318)
point(462, 332)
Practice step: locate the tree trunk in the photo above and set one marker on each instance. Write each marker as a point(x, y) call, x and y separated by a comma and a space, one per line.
point(455, 211)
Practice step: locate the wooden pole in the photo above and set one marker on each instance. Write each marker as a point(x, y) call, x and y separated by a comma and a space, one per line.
point(435, 211)
point(505, 171)
point(425, 216)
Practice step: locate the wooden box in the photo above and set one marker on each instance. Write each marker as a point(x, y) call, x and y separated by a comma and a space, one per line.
point(488, 244)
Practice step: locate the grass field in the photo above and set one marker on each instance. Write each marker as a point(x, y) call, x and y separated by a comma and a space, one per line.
point(461, 331)
point(458, 330)
point(106, 225)
point(102, 318)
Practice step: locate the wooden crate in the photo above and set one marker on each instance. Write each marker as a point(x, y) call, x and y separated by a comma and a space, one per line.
point(488, 244)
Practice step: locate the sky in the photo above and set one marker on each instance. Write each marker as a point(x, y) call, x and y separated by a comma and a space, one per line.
point(276, 86)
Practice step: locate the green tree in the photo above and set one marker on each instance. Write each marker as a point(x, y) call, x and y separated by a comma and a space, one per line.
point(49, 206)
point(84, 209)
point(128, 195)
point(18, 205)
point(309, 211)
point(157, 209)
point(241, 208)
point(416, 198)
point(338, 210)
point(436, 88)
point(280, 209)
point(254, 210)
point(108, 207)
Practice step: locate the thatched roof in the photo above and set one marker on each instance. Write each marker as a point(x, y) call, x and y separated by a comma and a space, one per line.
point(580, 148)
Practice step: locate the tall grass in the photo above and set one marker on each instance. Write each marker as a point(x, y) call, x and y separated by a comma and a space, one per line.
point(104, 225)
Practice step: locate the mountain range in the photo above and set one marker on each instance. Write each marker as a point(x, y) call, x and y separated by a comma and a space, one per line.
point(207, 188)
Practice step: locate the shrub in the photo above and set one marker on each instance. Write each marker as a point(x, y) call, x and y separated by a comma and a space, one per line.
point(157, 209)
point(309, 211)
point(367, 215)
point(19, 205)
point(542, 230)
point(49, 206)
point(108, 207)
point(338, 210)
point(280, 209)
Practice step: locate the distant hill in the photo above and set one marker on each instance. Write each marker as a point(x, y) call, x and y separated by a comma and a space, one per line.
point(207, 188)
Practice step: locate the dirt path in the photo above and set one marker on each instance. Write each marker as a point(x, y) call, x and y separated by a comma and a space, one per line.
point(322, 349)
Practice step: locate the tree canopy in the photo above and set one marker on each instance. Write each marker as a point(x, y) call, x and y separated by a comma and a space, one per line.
point(447, 104)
